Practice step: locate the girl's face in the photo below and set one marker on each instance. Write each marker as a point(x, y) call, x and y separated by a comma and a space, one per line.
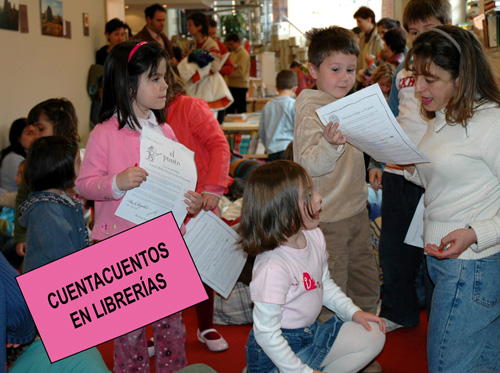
point(27, 136)
point(385, 86)
point(152, 92)
point(44, 126)
point(309, 223)
point(78, 163)
point(436, 90)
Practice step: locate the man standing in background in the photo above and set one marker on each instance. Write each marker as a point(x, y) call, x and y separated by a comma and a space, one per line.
point(153, 31)
point(238, 80)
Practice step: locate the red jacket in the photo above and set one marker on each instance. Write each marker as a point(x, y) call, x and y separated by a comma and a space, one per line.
point(196, 127)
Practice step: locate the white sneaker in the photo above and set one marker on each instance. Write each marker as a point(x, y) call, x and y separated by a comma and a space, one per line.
point(391, 325)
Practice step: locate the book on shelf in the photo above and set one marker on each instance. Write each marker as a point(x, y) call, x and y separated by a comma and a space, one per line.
point(254, 139)
point(491, 5)
point(237, 141)
point(245, 141)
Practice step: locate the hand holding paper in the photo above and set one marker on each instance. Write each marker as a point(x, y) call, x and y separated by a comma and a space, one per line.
point(368, 123)
point(333, 134)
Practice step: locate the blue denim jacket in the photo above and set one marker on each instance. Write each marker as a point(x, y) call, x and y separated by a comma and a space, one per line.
point(55, 228)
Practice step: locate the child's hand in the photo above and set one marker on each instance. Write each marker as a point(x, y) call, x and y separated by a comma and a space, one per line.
point(21, 248)
point(194, 202)
point(209, 202)
point(333, 135)
point(362, 318)
point(131, 178)
point(375, 177)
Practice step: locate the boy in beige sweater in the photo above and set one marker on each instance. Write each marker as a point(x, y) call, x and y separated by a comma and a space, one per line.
point(337, 167)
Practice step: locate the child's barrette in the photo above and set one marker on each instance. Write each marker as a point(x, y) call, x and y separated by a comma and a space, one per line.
point(137, 46)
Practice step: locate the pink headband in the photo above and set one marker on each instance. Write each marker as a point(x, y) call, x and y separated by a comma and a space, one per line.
point(135, 49)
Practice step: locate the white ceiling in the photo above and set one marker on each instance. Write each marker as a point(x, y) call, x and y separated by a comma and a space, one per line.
point(183, 4)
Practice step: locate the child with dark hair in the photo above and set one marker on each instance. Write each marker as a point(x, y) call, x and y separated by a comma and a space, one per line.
point(276, 122)
point(54, 220)
point(291, 281)
point(55, 116)
point(56, 228)
point(135, 93)
point(21, 136)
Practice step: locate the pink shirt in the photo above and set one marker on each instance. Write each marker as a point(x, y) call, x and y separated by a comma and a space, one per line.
point(109, 151)
point(292, 278)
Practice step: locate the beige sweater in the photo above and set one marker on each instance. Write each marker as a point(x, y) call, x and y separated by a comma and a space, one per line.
point(338, 174)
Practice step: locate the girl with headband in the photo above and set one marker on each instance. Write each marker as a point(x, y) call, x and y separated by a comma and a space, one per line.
point(134, 95)
point(459, 92)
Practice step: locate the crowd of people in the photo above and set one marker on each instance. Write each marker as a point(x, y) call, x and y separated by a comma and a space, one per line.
point(302, 216)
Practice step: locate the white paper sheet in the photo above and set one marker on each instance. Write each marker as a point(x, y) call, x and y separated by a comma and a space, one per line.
point(415, 234)
point(213, 246)
point(368, 123)
point(172, 172)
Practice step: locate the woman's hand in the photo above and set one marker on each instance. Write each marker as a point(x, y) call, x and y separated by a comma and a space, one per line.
point(194, 202)
point(333, 135)
point(362, 318)
point(131, 178)
point(453, 244)
point(375, 177)
point(209, 201)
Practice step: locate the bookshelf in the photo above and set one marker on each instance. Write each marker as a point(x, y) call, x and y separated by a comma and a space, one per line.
point(488, 10)
point(243, 136)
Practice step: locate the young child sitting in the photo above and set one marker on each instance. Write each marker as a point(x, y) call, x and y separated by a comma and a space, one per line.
point(276, 122)
point(291, 281)
point(337, 168)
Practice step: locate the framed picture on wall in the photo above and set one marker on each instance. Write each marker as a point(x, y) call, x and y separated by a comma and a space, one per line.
point(9, 15)
point(52, 17)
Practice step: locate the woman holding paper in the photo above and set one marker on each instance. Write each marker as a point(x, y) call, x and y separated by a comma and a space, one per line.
point(458, 90)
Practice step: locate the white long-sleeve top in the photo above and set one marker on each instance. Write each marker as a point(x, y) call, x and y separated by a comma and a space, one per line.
point(462, 180)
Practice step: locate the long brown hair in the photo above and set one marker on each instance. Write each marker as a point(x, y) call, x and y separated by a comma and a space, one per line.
point(271, 209)
point(466, 62)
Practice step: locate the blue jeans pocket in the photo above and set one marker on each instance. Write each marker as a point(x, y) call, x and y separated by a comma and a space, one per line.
point(486, 288)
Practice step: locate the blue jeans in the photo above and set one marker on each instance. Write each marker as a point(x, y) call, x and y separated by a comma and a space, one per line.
point(311, 345)
point(464, 326)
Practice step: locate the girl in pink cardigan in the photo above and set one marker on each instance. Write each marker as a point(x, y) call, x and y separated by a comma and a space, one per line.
point(134, 95)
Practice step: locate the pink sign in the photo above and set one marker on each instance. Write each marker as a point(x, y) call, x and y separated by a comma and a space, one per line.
point(111, 288)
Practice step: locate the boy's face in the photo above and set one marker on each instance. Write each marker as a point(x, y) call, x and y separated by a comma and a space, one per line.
point(336, 74)
point(417, 27)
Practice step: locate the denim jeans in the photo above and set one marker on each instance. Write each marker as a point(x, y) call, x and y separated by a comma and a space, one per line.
point(311, 345)
point(464, 326)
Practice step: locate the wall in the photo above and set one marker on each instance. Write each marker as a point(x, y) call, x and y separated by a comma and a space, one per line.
point(35, 67)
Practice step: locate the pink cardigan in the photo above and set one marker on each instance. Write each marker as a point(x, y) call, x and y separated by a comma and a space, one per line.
point(196, 128)
point(109, 151)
